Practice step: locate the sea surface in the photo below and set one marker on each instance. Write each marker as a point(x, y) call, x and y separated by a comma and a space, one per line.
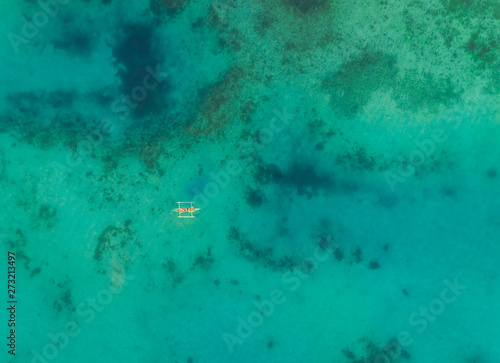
point(342, 156)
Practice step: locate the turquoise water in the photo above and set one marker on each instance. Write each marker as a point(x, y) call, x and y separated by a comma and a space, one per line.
point(343, 154)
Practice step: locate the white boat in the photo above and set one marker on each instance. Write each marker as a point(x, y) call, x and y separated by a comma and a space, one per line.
point(184, 208)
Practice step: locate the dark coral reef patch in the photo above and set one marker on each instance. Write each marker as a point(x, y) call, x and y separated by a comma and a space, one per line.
point(307, 7)
point(137, 59)
point(167, 7)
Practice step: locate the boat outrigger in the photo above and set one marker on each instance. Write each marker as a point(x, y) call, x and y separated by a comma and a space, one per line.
point(184, 209)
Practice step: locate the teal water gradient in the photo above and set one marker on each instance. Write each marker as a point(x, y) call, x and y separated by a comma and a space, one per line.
point(344, 155)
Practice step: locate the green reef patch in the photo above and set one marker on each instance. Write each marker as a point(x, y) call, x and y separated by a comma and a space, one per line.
point(483, 47)
point(366, 350)
point(413, 92)
point(48, 215)
point(64, 300)
point(351, 87)
point(253, 253)
point(307, 7)
point(473, 7)
point(117, 247)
